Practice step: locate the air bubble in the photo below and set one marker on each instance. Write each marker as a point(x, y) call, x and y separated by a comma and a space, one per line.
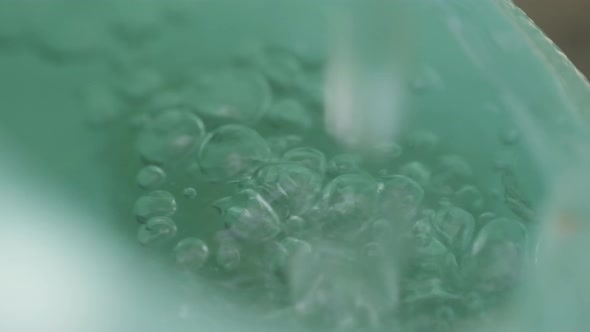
point(417, 171)
point(400, 197)
point(485, 218)
point(101, 106)
point(373, 250)
point(294, 225)
point(228, 257)
point(499, 252)
point(290, 188)
point(280, 144)
point(456, 225)
point(423, 142)
point(156, 230)
point(240, 95)
point(469, 197)
point(451, 172)
point(157, 203)
point(250, 217)
point(290, 112)
point(309, 157)
point(352, 197)
point(295, 246)
point(510, 137)
point(279, 66)
point(388, 151)
point(170, 135)
point(344, 164)
point(191, 253)
point(189, 193)
point(150, 177)
point(232, 153)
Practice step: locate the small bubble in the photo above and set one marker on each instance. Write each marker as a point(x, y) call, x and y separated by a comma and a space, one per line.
point(242, 95)
point(189, 193)
point(417, 171)
point(156, 230)
point(280, 144)
point(150, 177)
point(281, 67)
point(291, 189)
point(351, 196)
point(232, 153)
point(290, 112)
point(510, 137)
point(140, 82)
point(486, 217)
point(295, 246)
point(387, 151)
point(294, 225)
point(422, 141)
point(400, 197)
point(170, 135)
point(250, 217)
point(157, 203)
point(344, 164)
point(101, 106)
point(373, 249)
point(228, 257)
point(499, 252)
point(456, 225)
point(309, 157)
point(469, 198)
point(427, 79)
point(451, 172)
point(191, 253)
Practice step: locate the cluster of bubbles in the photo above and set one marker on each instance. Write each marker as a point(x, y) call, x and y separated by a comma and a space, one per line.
point(306, 230)
point(313, 233)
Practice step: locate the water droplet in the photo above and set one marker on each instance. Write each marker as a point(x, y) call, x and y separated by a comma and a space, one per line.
point(417, 171)
point(344, 164)
point(170, 135)
point(150, 177)
point(228, 257)
point(290, 188)
point(191, 253)
point(156, 230)
point(157, 203)
point(400, 197)
point(456, 225)
point(238, 95)
point(290, 112)
point(250, 217)
point(352, 197)
point(309, 157)
point(189, 193)
point(232, 153)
